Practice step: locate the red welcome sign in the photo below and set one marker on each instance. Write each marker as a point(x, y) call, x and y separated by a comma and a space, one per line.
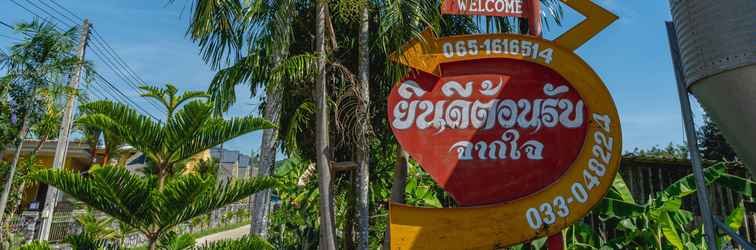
point(515, 8)
point(490, 130)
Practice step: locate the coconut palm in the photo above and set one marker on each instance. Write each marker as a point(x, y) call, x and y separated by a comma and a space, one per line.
point(44, 58)
point(270, 44)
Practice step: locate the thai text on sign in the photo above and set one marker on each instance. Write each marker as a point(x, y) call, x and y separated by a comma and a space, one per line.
point(515, 8)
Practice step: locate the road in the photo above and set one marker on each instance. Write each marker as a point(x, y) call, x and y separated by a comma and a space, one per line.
point(225, 235)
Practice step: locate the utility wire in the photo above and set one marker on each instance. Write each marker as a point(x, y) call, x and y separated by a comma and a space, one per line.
point(108, 62)
point(105, 46)
point(116, 62)
point(63, 22)
point(121, 94)
point(123, 68)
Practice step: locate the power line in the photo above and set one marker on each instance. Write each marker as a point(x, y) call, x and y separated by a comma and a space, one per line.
point(66, 10)
point(118, 73)
point(7, 25)
point(108, 51)
point(59, 13)
point(117, 62)
point(114, 68)
point(121, 94)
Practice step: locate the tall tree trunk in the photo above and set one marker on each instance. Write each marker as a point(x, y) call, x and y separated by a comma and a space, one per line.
point(348, 229)
point(397, 188)
point(268, 148)
point(19, 146)
point(260, 205)
point(363, 155)
point(327, 238)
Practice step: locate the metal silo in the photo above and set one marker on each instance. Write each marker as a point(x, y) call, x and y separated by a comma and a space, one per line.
point(717, 43)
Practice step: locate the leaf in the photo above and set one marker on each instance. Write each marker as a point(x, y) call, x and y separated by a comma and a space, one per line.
point(432, 201)
point(620, 191)
point(670, 230)
point(687, 185)
point(610, 208)
point(738, 184)
point(734, 221)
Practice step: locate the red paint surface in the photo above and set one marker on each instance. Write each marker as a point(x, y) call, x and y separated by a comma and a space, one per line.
point(482, 7)
point(478, 182)
point(555, 242)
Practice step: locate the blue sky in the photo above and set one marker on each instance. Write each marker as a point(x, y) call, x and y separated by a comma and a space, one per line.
point(631, 56)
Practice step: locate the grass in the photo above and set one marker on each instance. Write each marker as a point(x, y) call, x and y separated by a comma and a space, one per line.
point(225, 227)
point(206, 232)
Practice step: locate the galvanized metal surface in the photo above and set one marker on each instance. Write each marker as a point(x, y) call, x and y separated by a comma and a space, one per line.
point(714, 36)
point(690, 133)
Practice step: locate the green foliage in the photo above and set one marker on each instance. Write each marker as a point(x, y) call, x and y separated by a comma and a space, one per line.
point(34, 68)
point(421, 190)
point(713, 144)
point(671, 151)
point(660, 223)
point(36, 245)
point(186, 131)
point(172, 241)
point(138, 201)
point(85, 241)
point(247, 242)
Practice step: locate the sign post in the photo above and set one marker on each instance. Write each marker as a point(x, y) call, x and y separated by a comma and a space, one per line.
point(519, 130)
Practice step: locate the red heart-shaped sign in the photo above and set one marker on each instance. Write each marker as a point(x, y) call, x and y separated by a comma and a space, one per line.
point(491, 130)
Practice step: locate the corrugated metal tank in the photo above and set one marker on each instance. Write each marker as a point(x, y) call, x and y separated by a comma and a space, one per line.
point(717, 41)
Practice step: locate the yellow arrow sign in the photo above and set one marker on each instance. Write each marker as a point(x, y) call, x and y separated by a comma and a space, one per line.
point(427, 53)
point(543, 213)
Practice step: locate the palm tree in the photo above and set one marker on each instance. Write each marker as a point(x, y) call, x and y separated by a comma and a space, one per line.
point(42, 59)
point(156, 203)
point(262, 28)
point(322, 144)
point(363, 153)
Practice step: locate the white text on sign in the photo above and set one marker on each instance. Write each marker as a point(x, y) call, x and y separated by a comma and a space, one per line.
point(548, 212)
point(506, 47)
point(514, 8)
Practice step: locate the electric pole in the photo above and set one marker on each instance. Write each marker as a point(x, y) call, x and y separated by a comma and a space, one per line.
point(65, 130)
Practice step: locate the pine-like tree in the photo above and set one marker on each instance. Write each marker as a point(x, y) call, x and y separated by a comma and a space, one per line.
point(712, 143)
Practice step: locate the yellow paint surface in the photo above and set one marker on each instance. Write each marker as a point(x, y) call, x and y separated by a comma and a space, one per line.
point(501, 225)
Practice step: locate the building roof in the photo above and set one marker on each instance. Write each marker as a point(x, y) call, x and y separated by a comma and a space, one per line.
point(75, 150)
point(231, 156)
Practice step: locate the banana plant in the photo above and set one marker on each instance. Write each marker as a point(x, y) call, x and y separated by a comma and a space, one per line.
point(660, 223)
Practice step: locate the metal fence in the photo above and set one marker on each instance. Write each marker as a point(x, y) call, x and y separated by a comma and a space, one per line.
point(27, 224)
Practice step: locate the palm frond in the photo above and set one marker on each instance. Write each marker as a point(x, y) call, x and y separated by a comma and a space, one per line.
point(216, 26)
